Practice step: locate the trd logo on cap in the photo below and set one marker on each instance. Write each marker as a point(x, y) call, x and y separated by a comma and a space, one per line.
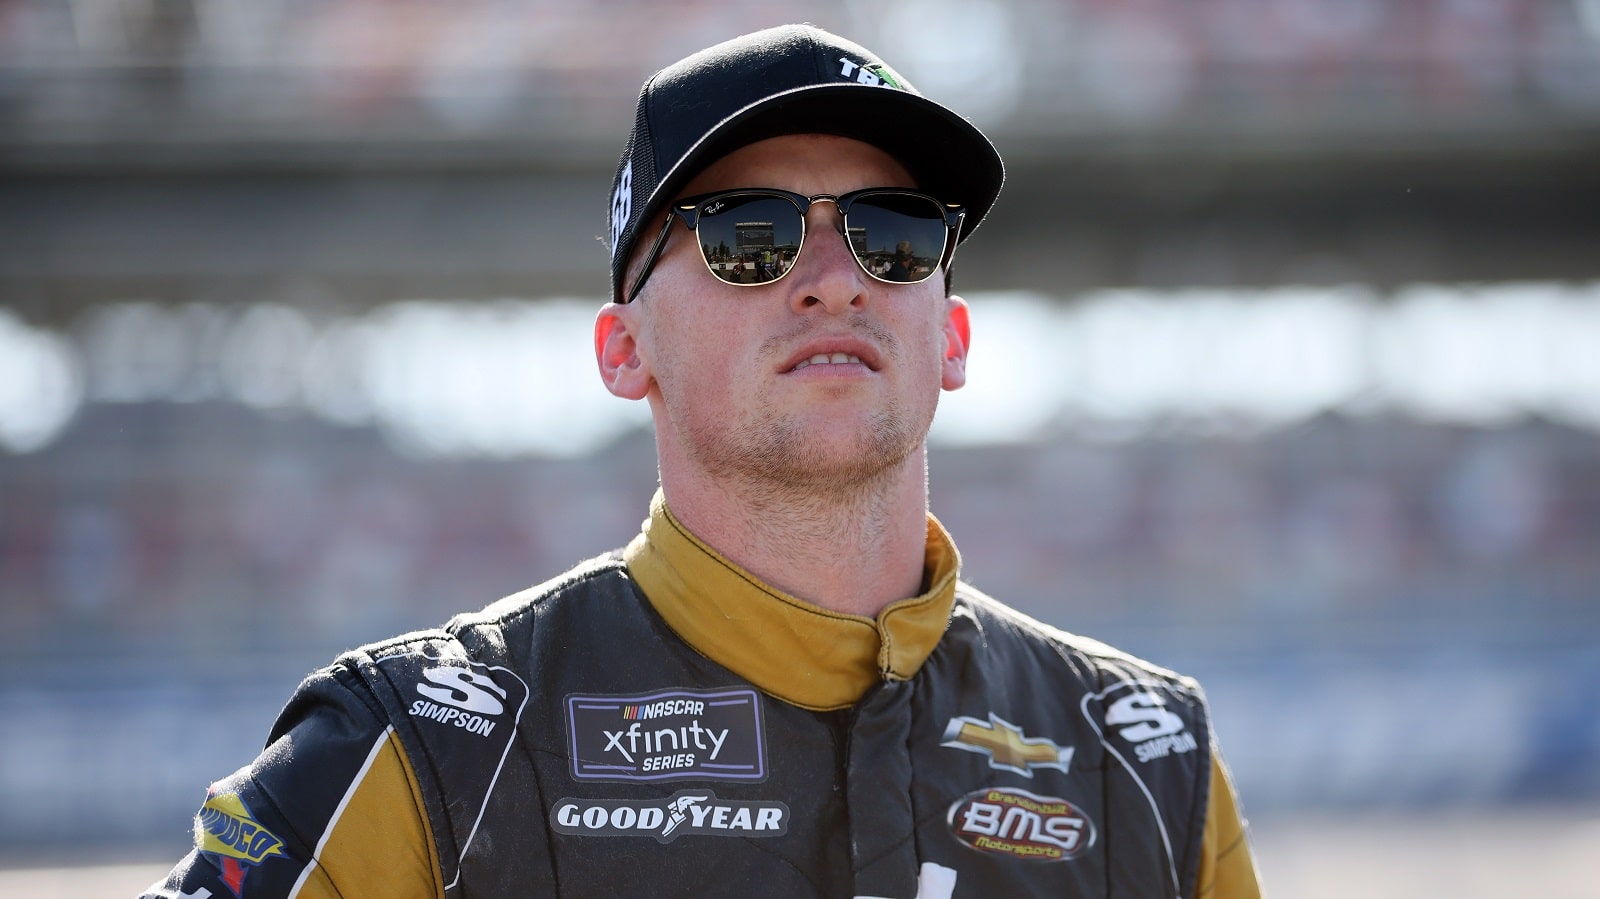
point(871, 73)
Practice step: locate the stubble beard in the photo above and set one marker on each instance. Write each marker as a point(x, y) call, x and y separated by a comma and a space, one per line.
point(777, 462)
point(776, 459)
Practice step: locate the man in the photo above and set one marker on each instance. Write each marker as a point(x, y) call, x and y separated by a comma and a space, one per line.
point(900, 269)
point(779, 688)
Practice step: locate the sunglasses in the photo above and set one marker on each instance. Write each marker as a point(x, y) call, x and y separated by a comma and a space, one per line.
point(752, 236)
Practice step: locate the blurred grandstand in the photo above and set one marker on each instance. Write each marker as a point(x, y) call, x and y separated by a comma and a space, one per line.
point(220, 150)
point(1290, 320)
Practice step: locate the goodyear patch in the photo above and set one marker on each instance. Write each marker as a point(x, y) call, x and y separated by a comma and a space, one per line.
point(685, 813)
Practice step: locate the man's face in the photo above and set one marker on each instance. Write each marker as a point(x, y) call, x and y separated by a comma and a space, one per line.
point(824, 378)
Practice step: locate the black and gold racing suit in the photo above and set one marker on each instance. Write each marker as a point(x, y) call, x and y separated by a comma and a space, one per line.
point(659, 723)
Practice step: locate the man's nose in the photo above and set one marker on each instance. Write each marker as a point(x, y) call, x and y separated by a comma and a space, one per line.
point(828, 273)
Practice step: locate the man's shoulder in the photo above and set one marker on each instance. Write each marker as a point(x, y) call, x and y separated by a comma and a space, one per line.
point(473, 652)
point(474, 674)
point(470, 630)
point(453, 697)
point(999, 621)
point(1156, 722)
point(604, 573)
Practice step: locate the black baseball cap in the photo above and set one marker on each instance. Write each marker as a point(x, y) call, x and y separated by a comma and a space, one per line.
point(794, 79)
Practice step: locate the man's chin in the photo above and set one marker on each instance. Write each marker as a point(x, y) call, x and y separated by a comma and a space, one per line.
point(835, 460)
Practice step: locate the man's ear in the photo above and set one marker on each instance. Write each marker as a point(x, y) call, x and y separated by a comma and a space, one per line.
point(616, 349)
point(957, 338)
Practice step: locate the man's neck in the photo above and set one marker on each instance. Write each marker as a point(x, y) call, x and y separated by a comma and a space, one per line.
point(853, 551)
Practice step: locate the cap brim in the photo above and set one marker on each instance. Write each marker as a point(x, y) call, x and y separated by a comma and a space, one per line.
point(947, 155)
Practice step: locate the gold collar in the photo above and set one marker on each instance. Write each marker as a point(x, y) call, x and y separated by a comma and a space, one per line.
point(801, 653)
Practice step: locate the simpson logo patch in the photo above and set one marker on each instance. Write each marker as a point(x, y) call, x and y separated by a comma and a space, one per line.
point(1140, 717)
point(465, 697)
point(668, 735)
point(226, 830)
point(687, 813)
point(1021, 825)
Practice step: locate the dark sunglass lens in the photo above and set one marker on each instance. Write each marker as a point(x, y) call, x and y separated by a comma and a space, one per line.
point(749, 238)
point(897, 237)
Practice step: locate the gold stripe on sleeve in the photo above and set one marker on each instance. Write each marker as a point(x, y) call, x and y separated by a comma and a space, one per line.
point(1227, 866)
point(378, 843)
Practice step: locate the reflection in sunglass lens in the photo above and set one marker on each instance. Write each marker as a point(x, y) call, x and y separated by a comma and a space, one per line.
point(897, 237)
point(750, 238)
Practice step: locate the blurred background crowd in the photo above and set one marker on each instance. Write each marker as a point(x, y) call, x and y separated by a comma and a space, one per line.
point(1286, 370)
point(485, 67)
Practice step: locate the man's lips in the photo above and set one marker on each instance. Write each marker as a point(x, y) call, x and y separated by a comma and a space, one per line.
point(826, 359)
point(832, 352)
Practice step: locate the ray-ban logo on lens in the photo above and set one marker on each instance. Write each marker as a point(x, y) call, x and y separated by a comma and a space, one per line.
point(668, 735)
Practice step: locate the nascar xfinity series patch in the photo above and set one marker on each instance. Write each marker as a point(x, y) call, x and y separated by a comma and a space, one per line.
point(675, 734)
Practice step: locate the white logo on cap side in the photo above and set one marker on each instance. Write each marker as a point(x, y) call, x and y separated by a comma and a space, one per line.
point(621, 206)
point(870, 74)
point(861, 74)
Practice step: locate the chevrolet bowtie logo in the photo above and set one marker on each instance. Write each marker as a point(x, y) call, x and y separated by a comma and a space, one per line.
point(1005, 745)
